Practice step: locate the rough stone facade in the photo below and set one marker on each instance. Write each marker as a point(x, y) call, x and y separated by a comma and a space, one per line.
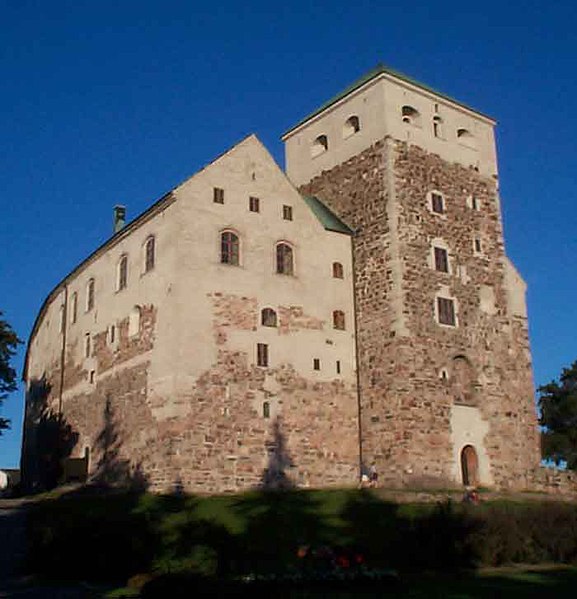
point(158, 383)
point(406, 403)
point(178, 380)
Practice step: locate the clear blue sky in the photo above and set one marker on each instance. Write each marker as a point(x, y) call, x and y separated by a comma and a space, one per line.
point(117, 102)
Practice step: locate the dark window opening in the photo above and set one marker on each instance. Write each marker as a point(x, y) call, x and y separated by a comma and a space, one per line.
point(229, 248)
point(284, 259)
point(218, 195)
point(338, 367)
point(268, 317)
point(266, 409)
point(254, 204)
point(262, 354)
point(149, 256)
point(90, 295)
point(441, 260)
point(478, 245)
point(437, 203)
point(316, 364)
point(287, 212)
point(339, 320)
point(337, 270)
point(446, 309)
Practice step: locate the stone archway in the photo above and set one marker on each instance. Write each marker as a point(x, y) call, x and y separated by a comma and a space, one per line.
point(469, 466)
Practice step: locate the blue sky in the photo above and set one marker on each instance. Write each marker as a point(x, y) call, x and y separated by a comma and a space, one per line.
point(117, 102)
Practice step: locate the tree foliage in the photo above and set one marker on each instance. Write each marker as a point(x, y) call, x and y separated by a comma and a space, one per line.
point(8, 343)
point(558, 404)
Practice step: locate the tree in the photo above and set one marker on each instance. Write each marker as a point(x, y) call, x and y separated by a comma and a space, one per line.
point(558, 405)
point(8, 343)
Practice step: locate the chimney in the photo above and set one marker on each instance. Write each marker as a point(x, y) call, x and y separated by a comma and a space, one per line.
point(119, 217)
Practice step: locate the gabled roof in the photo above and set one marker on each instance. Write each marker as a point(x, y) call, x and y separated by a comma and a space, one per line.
point(380, 69)
point(327, 218)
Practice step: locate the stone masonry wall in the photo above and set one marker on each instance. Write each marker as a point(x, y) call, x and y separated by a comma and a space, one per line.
point(406, 403)
point(218, 439)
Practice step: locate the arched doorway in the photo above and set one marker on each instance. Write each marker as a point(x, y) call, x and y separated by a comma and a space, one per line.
point(469, 466)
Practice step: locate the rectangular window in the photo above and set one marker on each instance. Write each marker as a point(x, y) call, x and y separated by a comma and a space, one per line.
point(474, 203)
point(316, 364)
point(87, 345)
point(441, 260)
point(92, 374)
point(254, 204)
point(287, 212)
point(446, 309)
point(338, 367)
point(262, 354)
point(112, 334)
point(478, 245)
point(437, 203)
point(218, 195)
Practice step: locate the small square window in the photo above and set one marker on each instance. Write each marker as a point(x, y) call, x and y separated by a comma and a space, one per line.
point(262, 354)
point(254, 204)
point(446, 309)
point(441, 260)
point(218, 195)
point(287, 212)
point(437, 203)
point(316, 364)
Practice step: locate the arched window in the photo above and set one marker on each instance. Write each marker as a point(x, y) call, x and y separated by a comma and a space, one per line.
point(90, 295)
point(437, 126)
point(351, 126)
point(339, 320)
point(410, 115)
point(268, 317)
point(61, 319)
point(149, 254)
point(465, 137)
point(284, 259)
point(319, 146)
point(337, 270)
point(122, 273)
point(73, 307)
point(229, 248)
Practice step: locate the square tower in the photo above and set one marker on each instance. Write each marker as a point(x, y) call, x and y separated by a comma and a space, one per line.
point(445, 377)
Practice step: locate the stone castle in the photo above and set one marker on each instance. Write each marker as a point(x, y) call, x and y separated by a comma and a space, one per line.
point(259, 328)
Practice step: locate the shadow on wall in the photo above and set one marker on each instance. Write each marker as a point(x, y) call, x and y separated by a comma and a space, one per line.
point(275, 475)
point(48, 442)
point(112, 469)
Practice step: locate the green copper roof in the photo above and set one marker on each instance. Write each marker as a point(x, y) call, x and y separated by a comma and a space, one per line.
point(328, 219)
point(380, 69)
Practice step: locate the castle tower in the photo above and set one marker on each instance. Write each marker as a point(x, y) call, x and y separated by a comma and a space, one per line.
point(445, 377)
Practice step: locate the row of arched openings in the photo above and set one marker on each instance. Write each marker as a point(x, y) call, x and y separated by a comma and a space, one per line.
point(284, 255)
point(230, 253)
point(149, 256)
point(321, 144)
point(412, 116)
